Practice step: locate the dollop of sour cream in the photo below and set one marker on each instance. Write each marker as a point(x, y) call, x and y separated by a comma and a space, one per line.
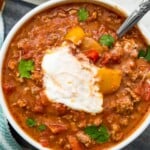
point(71, 81)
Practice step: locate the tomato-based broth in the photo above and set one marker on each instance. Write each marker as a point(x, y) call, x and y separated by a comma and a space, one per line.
point(71, 83)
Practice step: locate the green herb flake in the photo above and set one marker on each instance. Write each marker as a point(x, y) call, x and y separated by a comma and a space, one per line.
point(145, 54)
point(106, 40)
point(42, 127)
point(83, 14)
point(92, 131)
point(31, 122)
point(99, 134)
point(142, 53)
point(25, 68)
point(147, 57)
point(103, 134)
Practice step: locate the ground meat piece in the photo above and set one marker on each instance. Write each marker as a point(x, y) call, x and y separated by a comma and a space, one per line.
point(128, 66)
point(38, 107)
point(35, 90)
point(98, 33)
point(67, 147)
point(36, 75)
point(135, 97)
point(117, 49)
point(124, 121)
point(57, 128)
point(62, 14)
point(117, 136)
point(93, 16)
point(129, 45)
point(43, 99)
point(61, 141)
point(82, 124)
point(124, 105)
point(24, 44)
point(115, 127)
point(97, 121)
point(83, 138)
point(111, 117)
point(22, 103)
point(134, 53)
point(74, 143)
point(72, 11)
point(74, 127)
point(12, 64)
point(142, 65)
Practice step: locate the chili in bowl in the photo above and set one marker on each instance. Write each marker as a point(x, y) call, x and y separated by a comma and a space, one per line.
point(68, 82)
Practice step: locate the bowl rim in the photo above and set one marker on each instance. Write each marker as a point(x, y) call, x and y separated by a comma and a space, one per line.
point(4, 49)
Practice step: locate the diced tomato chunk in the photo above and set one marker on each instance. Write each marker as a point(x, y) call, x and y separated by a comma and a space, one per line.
point(60, 108)
point(9, 87)
point(109, 58)
point(143, 90)
point(44, 142)
point(57, 128)
point(38, 107)
point(74, 143)
point(43, 99)
point(92, 54)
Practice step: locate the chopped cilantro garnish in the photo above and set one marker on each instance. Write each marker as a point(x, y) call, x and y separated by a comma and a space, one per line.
point(42, 127)
point(25, 67)
point(83, 14)
point(145, 54)
point(31, 122)
point(142, 53)
point(106, 40)
point(99, 134)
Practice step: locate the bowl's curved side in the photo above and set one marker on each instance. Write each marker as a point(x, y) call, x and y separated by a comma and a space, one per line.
point(135, 134)
point(4, 48)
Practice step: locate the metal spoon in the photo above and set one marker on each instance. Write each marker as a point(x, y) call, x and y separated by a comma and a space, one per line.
point(143, 8)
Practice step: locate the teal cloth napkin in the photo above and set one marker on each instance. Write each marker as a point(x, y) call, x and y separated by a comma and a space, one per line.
point(7, 142)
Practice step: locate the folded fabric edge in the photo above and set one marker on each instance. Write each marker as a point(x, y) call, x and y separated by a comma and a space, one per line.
point(6, 139)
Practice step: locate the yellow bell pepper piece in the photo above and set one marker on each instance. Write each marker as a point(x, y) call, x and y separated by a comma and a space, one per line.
point(91, 44)
point(76, 35)
point(110, 80)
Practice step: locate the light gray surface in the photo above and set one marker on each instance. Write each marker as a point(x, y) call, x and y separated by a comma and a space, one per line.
point(131, 5)
point(14, 10)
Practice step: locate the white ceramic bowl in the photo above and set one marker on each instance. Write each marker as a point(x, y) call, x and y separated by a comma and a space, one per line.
point(107, 3)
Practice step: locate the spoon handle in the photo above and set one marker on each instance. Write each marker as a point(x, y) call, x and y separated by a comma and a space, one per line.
point(143, 8)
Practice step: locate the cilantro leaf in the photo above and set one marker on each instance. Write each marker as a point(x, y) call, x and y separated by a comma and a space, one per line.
point(106, 40)
point(92, 131)
point(25, 67)
point(142, 53)
point(99, 134)
point(31, 122)
point(83, 14)
point(42, 127)
point(147, 57)
point(145, 54)
point(103, 134)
